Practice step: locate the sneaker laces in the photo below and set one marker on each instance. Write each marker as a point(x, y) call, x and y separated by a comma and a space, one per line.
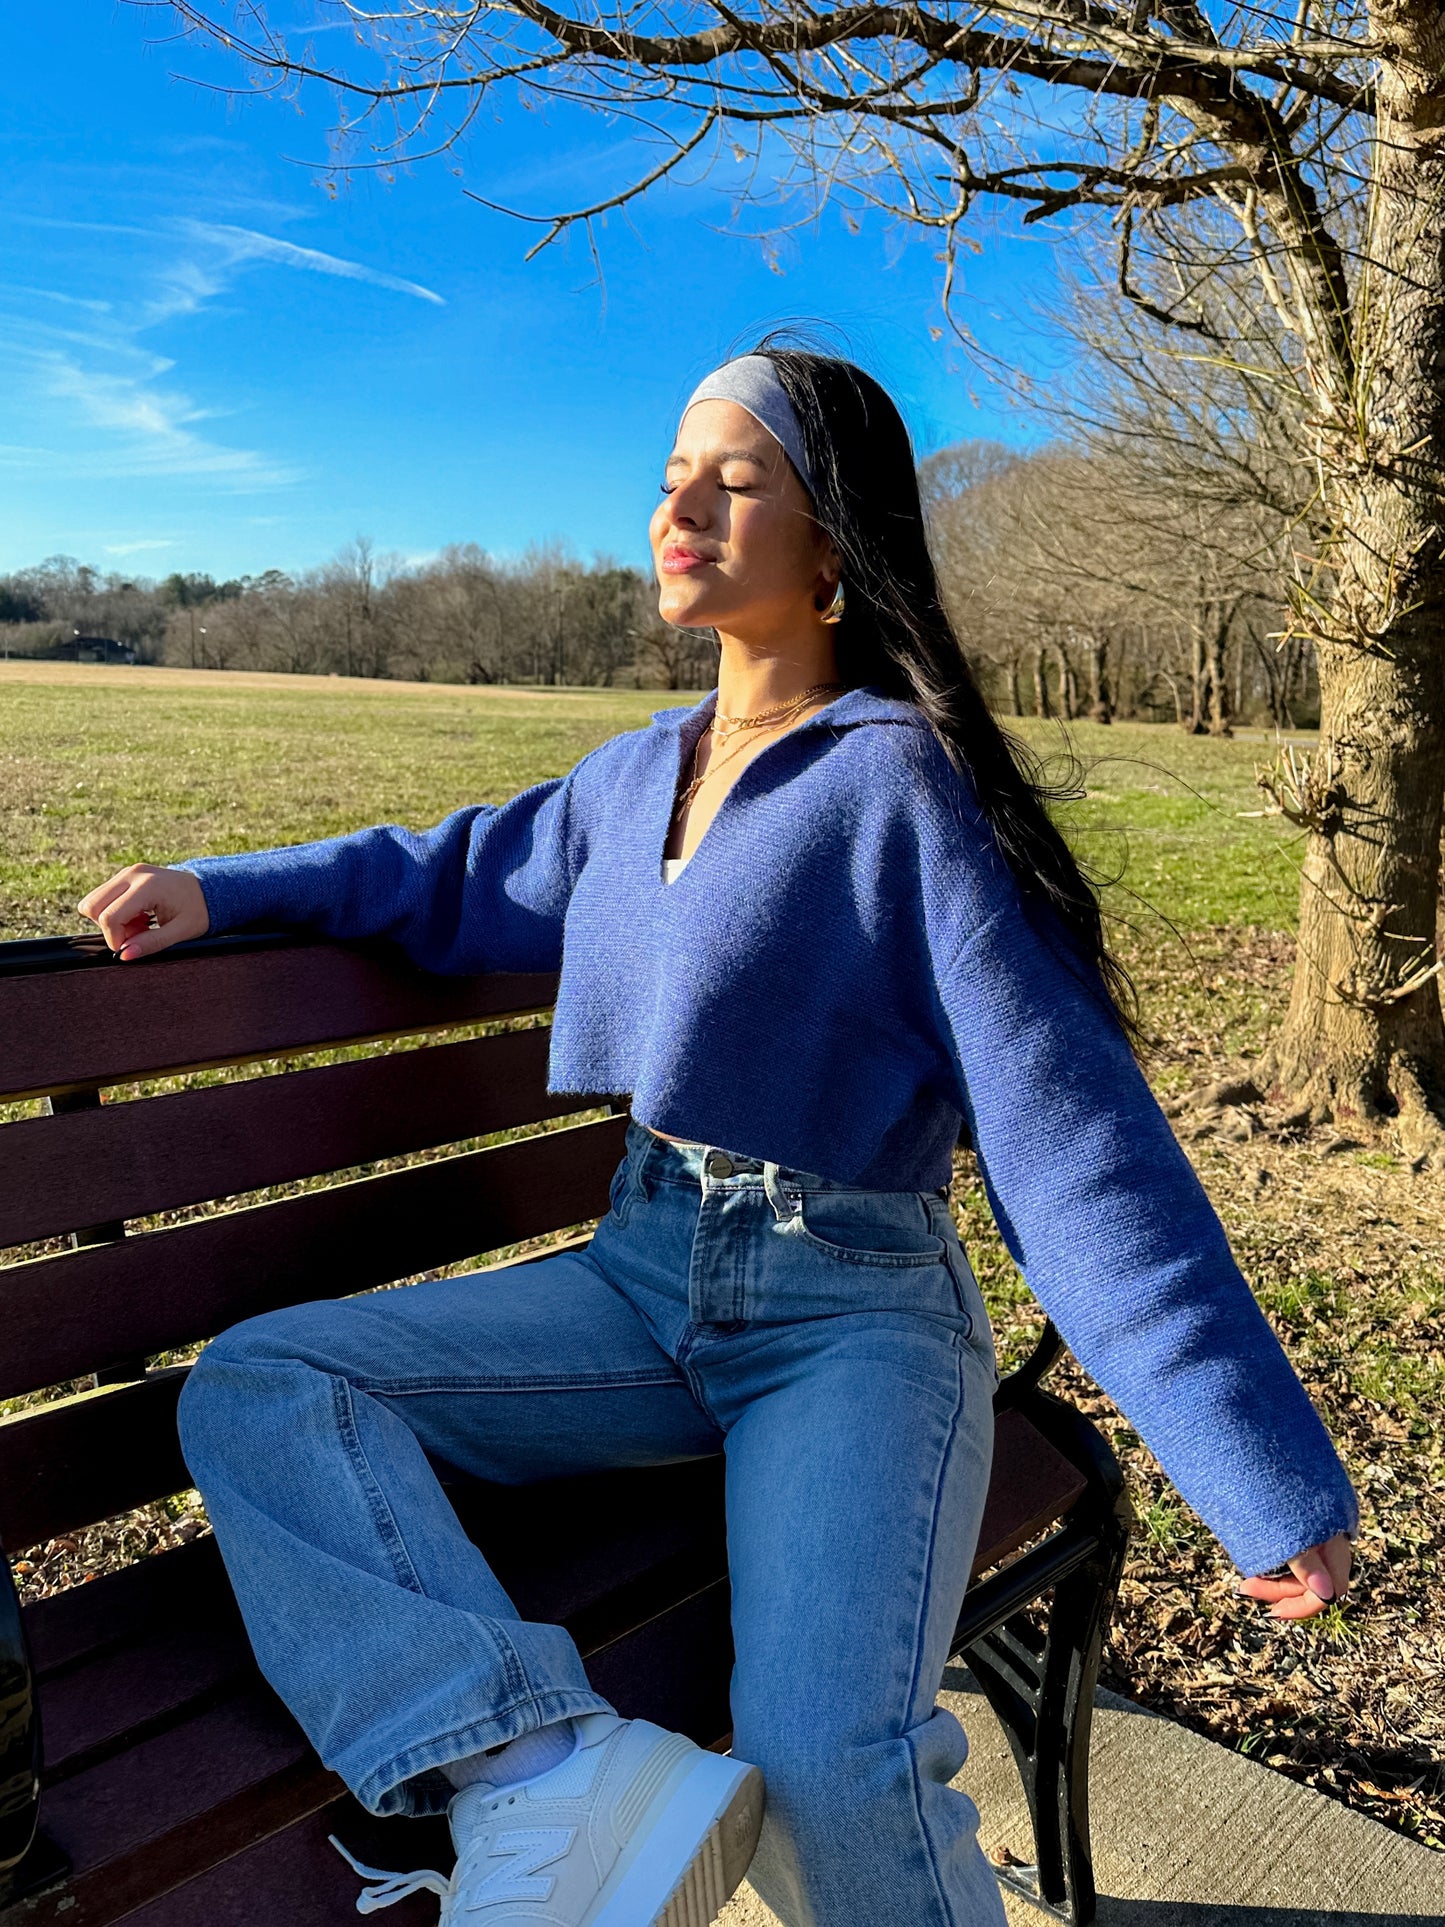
point(392, 1887)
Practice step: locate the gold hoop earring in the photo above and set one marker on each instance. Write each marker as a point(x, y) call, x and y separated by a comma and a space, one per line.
point(835, 609)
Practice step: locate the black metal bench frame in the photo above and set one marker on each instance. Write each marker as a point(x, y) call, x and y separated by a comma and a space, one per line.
point(1056, 1531)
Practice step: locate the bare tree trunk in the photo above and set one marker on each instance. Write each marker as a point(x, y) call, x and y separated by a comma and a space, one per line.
point(1292, 679)
point(1274, 673)
point(1119, 677)
point(1364, 1034)
point(1198, 720)
point(1015, 692)
point(1068, 684)
point(1282, 667)
point(1042, 705)
point(1172, 684)
point(1216, 677)
point(1101, 695)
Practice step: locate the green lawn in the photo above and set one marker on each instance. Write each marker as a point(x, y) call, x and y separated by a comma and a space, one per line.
point(93, 776)
point(97, 771)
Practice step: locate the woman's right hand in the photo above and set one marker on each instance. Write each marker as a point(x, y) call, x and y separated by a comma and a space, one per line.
point(143, 909)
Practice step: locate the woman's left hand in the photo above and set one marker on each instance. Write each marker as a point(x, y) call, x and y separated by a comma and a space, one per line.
point(1321, 1576)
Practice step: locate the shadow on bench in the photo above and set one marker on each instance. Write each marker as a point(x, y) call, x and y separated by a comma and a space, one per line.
point(172, 1786)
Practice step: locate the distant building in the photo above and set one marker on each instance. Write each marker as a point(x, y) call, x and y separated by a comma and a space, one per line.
point(92, 649)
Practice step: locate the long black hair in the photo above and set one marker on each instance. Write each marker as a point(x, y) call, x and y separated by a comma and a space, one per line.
point(896, 633)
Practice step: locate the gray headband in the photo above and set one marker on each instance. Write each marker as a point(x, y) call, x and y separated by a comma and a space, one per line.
point(752, 382)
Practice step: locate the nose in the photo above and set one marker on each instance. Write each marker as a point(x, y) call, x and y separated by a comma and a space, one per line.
point(687, 506)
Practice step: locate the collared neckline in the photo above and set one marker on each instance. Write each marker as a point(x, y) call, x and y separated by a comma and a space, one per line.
point(864, 703)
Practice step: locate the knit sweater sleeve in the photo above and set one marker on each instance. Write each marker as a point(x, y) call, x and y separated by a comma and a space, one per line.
point(1106, 1219)
point(485, 889)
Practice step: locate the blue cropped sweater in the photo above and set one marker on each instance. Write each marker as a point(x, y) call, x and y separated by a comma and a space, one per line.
point(842, 974)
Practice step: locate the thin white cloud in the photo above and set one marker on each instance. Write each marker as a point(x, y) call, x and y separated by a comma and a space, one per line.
point(149, 430)
point(64, 225)
point(244, 244)
point(15, 293)
point(88, 385)
point(136, 548)
point(583, 165)
point(184, 286)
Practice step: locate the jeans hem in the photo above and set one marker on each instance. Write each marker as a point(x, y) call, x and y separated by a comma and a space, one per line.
point(393, 1789)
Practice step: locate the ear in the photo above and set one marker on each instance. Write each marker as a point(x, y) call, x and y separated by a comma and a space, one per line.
point(829, 576)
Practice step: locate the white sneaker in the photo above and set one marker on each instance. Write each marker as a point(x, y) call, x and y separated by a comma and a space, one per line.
point(637, 1827)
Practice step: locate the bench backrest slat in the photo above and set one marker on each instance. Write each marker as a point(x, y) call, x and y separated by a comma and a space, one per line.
point(87, 1458)
point(121, 1161)
point(83, 1310)
point(111, 1023)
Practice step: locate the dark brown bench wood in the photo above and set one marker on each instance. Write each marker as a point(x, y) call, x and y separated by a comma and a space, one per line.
point(175, 1787)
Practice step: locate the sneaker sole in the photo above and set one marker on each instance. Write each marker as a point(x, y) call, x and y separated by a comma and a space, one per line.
point(708, 1824)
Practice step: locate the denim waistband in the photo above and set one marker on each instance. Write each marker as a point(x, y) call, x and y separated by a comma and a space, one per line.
point(669, 1162)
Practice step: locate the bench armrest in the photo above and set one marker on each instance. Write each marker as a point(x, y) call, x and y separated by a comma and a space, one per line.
point(1106, 1502)
point(19, 1730)
point(1016, 1388)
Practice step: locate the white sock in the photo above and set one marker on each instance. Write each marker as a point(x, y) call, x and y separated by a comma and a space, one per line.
point(519, 1759)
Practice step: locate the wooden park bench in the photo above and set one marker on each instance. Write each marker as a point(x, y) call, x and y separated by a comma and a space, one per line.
point(147, 1772)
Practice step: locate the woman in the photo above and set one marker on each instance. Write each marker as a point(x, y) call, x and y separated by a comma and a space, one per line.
point(813, 924)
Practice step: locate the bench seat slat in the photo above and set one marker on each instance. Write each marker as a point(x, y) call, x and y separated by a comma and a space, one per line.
point(93, 1711)
point(175, 1804)
point(1032, 1486)
point(297, 1876)
point(120, 1161)
point(69, 1629)
point(83, 1310)
point(74, 1029)
point(87, 1458)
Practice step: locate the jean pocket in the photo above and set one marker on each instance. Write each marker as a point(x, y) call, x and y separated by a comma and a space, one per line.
point(890, 1229)
point(965, 1286)
point(621, 1192)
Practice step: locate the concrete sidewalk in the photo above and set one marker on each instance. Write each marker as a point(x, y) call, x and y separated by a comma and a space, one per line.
point(1189, 1834)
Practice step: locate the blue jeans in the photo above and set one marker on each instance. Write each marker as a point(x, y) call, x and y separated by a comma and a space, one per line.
point(830, 1341)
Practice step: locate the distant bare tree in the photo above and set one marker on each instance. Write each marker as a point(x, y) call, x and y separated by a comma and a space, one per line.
point(452, 618)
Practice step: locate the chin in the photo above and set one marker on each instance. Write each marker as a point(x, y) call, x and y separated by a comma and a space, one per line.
point(685, 611)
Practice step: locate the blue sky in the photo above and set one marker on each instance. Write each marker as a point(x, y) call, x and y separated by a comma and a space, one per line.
point(211, 362)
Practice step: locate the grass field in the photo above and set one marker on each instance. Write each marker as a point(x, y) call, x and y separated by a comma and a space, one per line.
point(102, 767)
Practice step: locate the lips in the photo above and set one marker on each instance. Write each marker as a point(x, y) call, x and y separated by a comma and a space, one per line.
point(684, 561)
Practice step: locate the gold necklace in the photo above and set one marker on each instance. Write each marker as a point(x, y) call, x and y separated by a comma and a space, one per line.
point(684, 800)
point(724, 725)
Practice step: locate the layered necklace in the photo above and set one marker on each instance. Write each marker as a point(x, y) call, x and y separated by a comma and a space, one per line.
point(724, 727)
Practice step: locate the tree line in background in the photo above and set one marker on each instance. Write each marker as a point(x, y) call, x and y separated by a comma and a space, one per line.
point(1143, 563)
point(1083, 590)
point(1069, 613)
point(462, 616)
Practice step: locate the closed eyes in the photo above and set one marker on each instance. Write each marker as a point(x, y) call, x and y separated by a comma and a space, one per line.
point(728, 488)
